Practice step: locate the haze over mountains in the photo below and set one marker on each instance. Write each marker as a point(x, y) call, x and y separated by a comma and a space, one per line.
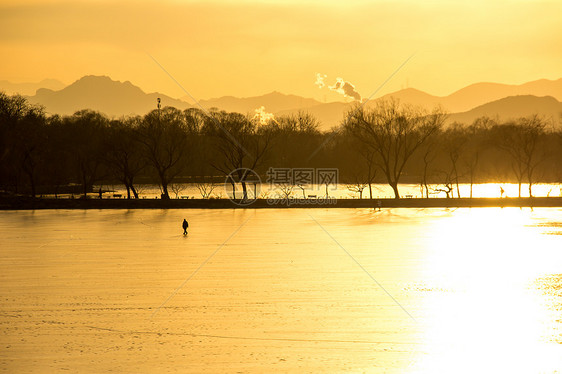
point(29, 89)
point(103, 94)
point(273, 102)
point(115, 99)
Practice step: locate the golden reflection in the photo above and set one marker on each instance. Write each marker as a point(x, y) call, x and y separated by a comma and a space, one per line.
point(483, 311)
point(508, 190)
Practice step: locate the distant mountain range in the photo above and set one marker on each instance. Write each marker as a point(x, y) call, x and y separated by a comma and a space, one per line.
point(115, 99)
point(102, 94)
point(273, 102)
point(514, 107)
point(478, 94)
point(29, 89)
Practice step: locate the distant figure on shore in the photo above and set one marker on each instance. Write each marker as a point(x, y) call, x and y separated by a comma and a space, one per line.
point(185, 225)
point(501, 191)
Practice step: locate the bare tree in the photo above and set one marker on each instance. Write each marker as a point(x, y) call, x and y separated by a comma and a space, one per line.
point(286, 190)
point(22, 141)
point(164, 136)
point(206, 189)
point(85, 133)
point(303, 189)
point(454, 142)
point(357, 188)
point(446, 186)
point(369, 169)
point(177, 188)
point(429, 155)
point(123, 156)
point(243, 144)
point(520, 141)
point(471, 164)
point(394, 133)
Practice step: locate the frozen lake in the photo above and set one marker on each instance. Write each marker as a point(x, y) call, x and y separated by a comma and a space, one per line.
point(304, 290)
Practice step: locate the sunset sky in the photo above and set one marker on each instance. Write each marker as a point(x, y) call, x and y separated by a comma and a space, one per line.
point(246, 48)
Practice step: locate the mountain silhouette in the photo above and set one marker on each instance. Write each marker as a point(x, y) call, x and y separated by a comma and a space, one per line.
point(102, 94)
point(537, 97)
point(116, 98)
point(513, 107)
point(28, 89)
point(478, 94)
point(272, 102)
point(481, 93)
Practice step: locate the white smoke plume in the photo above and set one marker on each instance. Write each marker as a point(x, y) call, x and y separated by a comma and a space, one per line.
point(320, 80)
point(262, 116)
point(346, 89)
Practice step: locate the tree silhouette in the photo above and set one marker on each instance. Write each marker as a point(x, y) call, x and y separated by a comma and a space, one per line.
point(394, 133)
point(242, 145)
point(84, 133)
point(520, 140)
point(165, 140)
point(124, 157)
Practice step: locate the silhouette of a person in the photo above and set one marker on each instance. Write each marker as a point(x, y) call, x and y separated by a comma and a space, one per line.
point(185, 225)
point(501, 191)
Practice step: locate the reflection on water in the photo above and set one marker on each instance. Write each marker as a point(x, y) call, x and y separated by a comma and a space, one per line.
point(494, 317)
point(314, 290)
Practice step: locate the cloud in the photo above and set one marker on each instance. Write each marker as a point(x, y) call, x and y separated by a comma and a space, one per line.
point(262, 116)
point(346, 89)
point(320, 80)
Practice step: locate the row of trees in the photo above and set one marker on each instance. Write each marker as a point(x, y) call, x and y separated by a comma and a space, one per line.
point(397, 140)
point(388, 142)
point(160, 147)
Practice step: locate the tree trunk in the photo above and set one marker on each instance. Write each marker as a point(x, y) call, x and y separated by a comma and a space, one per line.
point(164, 181)
point(370, 191)
point(233, 187)
point(244, 191)
point(135, 193)
point(394, 186)
point(165, 194)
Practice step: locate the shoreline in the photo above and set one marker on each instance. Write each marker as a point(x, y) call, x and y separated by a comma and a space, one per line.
point(27, 203)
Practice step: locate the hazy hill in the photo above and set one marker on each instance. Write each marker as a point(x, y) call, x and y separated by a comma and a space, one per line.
point(273, 102)
point(459, 101)
point(123, 98)
point(413, 97)
point(463, 101)
point(28, 89)
point(513, 107)
point(478, 94)
point(331, 114)
point(481, 93)
point(103, 94)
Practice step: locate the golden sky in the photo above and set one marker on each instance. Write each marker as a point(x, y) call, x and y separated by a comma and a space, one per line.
point(247, 48)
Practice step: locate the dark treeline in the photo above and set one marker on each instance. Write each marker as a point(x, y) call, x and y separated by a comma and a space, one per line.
point(388, 143)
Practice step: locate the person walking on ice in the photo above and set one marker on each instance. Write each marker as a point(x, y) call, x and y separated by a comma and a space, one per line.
point(185, 225)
